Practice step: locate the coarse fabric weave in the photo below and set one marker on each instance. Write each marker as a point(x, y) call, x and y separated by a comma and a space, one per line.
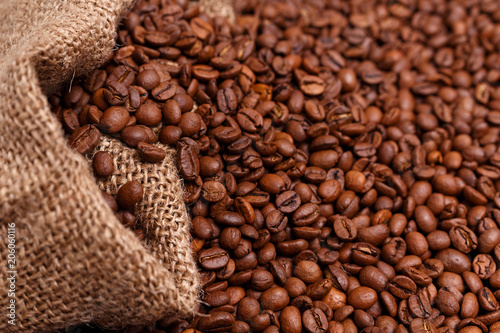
point(75, 262)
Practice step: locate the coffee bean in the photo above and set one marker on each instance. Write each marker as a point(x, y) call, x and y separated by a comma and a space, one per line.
point(307, 271)
point(362, 297)
point(454, 261)
point(213, 259)
point(187, 160)
point(114, 119)
point(463, 239)
point(312, 85)
point(288, 202)
point(402, 287)
point(110, 201)
point(148, 79)
point(469, 308)
point(148, 114)
point(84, 139)
point(150, 153)
point(103, 164)
point(274, 299)
point(163, 91)
point(314, 320)
point(290, 320)
point(129, 194)
point(215, 322)
point(344, 228)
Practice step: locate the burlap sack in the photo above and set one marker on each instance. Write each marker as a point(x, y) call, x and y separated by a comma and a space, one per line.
point(74, 261)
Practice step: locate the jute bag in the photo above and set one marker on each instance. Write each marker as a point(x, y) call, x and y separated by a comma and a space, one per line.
point(68, 258)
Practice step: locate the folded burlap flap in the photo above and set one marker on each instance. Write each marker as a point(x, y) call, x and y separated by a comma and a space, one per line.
point(74, 261)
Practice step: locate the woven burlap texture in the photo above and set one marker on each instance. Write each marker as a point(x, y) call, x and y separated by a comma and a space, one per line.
point(75, 262)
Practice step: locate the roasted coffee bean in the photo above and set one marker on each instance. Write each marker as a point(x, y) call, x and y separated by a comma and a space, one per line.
point(163, 91)
point(133, 135)
point(344, 228)
point(114, 119)
point(312, 85)
point(447, 303)
point(213, 258)
point(453, 261)
point(288, 202)
point(84, 139)
point(402, 287)
point(148, 114)
point(110, 201)
point(290, 320)
point(148, 79)
point(129, 194)
point(150, 153)
point(484, 266)
point(187, 160)
point(487, 300)
point(103, 164)
point(307, 271)
point(274, 299)
point(215, 322)
point(314, 320)
point(362, 297)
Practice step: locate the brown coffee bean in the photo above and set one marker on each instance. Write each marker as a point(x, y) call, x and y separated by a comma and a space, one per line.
point(312, 85)
point(163, 91)
point(307, 271)
point(274, 299)
point(447, 303)
point(170, 135)
point(487, 300)
point(291, 320)
point(114, 119)
point(402, 287)
point(110, 201)
point(463, 239)
point(205, 72)
point(420, 325)
point(129, 194)
point(272, 183)
point(276, 221)
point(454, 261)
point(151, 153)
point(84, 139)
point(362, 297)
point(248, 308)
point(148, 114)
point(103, 164)
point(202, 228)
point(215, 322)
point(213, 191)
point(288, 202)
point(213, 258)
point(374, 278)
point(229, 218)
point(314, 320)
point(261, 280)
point(469, 307)
point(425, 219)
point(187, 160)
point(345, 229)
point(133, 135)
point(484, 266)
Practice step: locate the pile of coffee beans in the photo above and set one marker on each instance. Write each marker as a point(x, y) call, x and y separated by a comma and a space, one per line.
point(341, 159)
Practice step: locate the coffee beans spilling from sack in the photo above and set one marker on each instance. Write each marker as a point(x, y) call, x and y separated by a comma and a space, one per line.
point(341, 159)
